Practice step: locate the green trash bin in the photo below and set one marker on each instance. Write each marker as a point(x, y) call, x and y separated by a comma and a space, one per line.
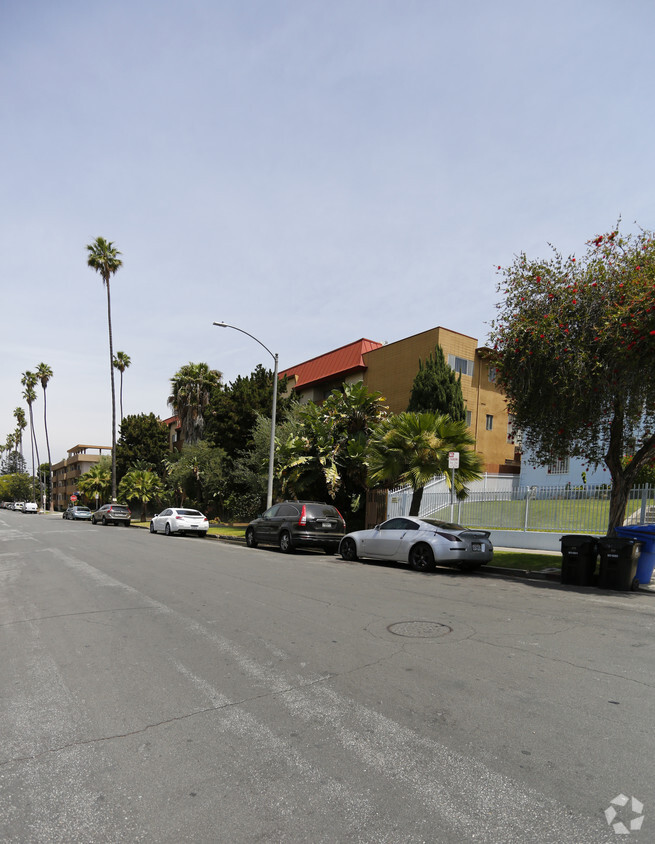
point(619, 558)
point(579, 556)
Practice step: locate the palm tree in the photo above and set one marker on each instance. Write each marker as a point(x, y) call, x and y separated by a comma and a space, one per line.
point(21, 424)
point(44, 374)
point(96, 480)
point(191, 388)
point(29, 380)
point(103, 258)
point(140, 484)
point(413, 447)
point(121, 363)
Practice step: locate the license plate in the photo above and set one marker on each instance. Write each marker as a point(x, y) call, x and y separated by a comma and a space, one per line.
point(327, 525)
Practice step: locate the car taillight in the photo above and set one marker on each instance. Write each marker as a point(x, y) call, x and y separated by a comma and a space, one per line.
point(449, 536)
point(179, 518)
point(205, 519)
point(303, 516)
point(341, 517)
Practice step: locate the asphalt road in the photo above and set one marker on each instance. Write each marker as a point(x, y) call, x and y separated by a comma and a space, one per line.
point(185, 690)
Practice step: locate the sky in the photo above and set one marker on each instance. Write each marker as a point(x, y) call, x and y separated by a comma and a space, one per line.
point(311, 172)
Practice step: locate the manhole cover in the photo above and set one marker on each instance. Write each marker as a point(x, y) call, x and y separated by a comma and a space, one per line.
point(419, 629)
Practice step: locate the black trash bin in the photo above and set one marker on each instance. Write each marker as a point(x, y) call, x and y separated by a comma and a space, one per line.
point(619, 557)
point(579, 556)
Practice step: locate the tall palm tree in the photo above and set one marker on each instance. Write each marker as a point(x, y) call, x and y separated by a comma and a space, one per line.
point(413, 448)
point(121, 363)
point(21, 424)
point(44, 374)
point(29, 381)
point(103, 258)
point(191, 386)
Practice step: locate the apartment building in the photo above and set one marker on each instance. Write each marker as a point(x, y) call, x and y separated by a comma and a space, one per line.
point(66, 473)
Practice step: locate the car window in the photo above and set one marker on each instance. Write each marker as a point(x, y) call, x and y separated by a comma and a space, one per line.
point(408, 524)
point(189, 513)
point(393, 524)
point(287, 510)
point(322, 511)
point(168, 512)
point(272, 511)
point(443, 525)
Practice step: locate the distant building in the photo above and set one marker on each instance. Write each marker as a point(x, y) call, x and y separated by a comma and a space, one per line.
point(391, 369)
point(175, 438)
point(66, 473)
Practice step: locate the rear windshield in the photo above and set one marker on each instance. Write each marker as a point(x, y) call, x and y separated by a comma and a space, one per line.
point(321, 511)
point(118, 508)
point(443, 525)
point(82, 509)
point(189, 513)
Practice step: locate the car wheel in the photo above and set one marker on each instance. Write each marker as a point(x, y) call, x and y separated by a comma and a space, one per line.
point(93, 520)
point(251, 542)
point(167, 529)
point(104, 521)
point(286, 545)
point(64, 516)
point(152, 527)
point(348, 550)
point(421, 558)
point(634, 586)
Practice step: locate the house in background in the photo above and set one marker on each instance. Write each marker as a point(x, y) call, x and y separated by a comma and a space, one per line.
point(390, 368)
point(175, 438)
point(66, 473)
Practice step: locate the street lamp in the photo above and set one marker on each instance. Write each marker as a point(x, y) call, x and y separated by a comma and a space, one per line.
point(271, 455)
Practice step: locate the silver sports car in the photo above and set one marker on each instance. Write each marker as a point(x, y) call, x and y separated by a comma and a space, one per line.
point(423, 543)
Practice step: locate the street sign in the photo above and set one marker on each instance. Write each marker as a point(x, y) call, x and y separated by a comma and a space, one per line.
point(73, 497)
point(453, 459)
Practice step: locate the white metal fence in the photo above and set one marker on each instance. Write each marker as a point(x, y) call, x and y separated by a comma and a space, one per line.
point(498, 502)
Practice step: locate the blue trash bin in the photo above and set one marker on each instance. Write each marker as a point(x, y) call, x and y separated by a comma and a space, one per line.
point(646, 535)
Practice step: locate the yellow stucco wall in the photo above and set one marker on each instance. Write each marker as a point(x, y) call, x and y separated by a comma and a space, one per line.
point(391, 370)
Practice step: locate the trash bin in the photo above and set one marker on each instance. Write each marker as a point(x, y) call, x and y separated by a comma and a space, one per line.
point(579, 555)
point(619, 558)
point(646, 535)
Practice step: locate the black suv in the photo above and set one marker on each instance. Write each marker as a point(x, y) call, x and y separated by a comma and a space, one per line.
point(297, 524)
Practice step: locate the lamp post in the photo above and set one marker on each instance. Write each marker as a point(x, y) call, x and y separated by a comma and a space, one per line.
point(271, 455)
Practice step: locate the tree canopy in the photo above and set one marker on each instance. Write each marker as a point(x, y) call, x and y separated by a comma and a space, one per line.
point(437, 388)
point(191, 388)
point(143, 438)
point(574, 344)
point(413, 447)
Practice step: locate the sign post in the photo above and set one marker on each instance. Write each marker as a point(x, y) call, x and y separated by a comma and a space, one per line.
point(453, 463)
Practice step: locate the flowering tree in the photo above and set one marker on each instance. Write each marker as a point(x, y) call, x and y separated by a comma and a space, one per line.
point(574, 343)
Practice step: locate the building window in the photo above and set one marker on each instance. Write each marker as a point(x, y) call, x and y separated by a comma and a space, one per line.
point(469, 418)
point(461, 365)
point(490, 422)
point(559, 467)
point(492, 373)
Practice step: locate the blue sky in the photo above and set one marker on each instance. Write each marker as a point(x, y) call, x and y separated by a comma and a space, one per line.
point(312, 172)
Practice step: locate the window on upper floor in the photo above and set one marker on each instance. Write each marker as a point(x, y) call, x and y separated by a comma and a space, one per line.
point(461, 365)
point(469, 418)
point(492, 373)
point(490, 422)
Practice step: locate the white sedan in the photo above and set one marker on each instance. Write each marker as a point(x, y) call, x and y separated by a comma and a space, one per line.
point(178, 520)
point(423, 543)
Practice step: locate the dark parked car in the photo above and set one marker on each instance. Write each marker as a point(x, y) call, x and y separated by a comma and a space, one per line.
point(75, 512)
point(298, 524)
point(112, 514)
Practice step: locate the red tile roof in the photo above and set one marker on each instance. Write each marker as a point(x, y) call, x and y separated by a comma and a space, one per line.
point(340, 362)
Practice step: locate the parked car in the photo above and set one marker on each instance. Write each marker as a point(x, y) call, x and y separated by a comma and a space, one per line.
point(423, 543)
point(18, 505)
point(30, 507)
point(297, 524)
point(179, 520)
point(112, 514)
point(77, 512)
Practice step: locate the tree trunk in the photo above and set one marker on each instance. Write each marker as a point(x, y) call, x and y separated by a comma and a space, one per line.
point(47, 442)
point(113, 398)
point(417, 497)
